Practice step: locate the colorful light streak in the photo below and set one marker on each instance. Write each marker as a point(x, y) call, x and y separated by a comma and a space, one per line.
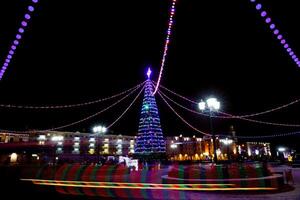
point(167, 42)
point(71, 105)
point(16, 42)
point(276, 32)
point(152, 186)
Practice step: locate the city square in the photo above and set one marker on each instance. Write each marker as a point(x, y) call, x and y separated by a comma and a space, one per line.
point(173, 99)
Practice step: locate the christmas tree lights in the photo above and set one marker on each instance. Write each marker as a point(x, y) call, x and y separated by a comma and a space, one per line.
point(150, 140)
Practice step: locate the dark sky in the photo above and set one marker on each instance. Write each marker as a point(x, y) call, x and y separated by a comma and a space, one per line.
point(75, 51)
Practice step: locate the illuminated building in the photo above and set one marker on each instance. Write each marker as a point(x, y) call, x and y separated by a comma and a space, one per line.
point(13, 137)
point(258, 149)
point(196, 148)
point(76, 146)
point(76, 143)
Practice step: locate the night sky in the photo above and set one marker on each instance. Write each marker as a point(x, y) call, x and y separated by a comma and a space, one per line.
point(75, 51)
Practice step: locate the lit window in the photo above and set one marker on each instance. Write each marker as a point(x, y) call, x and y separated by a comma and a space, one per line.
point(42, 137)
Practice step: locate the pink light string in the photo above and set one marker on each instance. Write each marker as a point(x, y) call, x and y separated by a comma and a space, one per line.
point(81, 120)
point(246, 137)
point(229, 116)
point(181, 118)
point(17, 40)
point(94, 115)
point(276, 32)
point(167, 42)
point(260, 122)
point(268, 136)
point(125, 111)
point(71, 105)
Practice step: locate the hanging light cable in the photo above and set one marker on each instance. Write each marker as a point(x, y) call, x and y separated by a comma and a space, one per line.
point(228, 116)
point(81, 120)
point(125, 111)
point(235, 116)
point(167, 42)
point(71, 105)
point(267, 136)
point(181, 118)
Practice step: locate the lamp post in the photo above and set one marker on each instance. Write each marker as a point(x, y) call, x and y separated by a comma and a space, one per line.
point(211, 105)
point(99, 130)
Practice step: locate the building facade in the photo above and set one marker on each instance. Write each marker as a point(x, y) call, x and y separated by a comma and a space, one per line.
point(180, 148)
point(76, 146)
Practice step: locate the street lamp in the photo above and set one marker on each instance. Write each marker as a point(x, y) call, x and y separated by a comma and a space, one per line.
point(99, 130)
point(211, 105)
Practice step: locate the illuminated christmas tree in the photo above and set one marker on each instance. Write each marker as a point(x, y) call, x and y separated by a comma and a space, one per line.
point(150, 140)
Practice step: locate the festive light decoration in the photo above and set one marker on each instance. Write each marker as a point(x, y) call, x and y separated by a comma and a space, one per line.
point(229, 116)
point(246, 137)
point(268, 136)
point(181, 118)
point(130, 105)
point(94, 115)
point(82, 120)
point(16, 42)
point(260, 122)
point(167, 42)
point(234, 116)
point(150, 137)
point(72, 105)
point(153, 186)
point(276, 32)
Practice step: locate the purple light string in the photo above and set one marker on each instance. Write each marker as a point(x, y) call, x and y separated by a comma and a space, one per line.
point(276, 32)
point(167, 42)
point(16, 41)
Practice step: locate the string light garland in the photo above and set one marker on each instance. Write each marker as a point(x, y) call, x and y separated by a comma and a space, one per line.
point(270, 110)
point(181, 118)
point(245, 137)
point(167, 42)
point(276, 32)
point(260, 122)
point(72, 105)
point(268, 136)
point(230, 116)
point(176, 103)
point(125, 111)
point(79, 121)
point(17, 40)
